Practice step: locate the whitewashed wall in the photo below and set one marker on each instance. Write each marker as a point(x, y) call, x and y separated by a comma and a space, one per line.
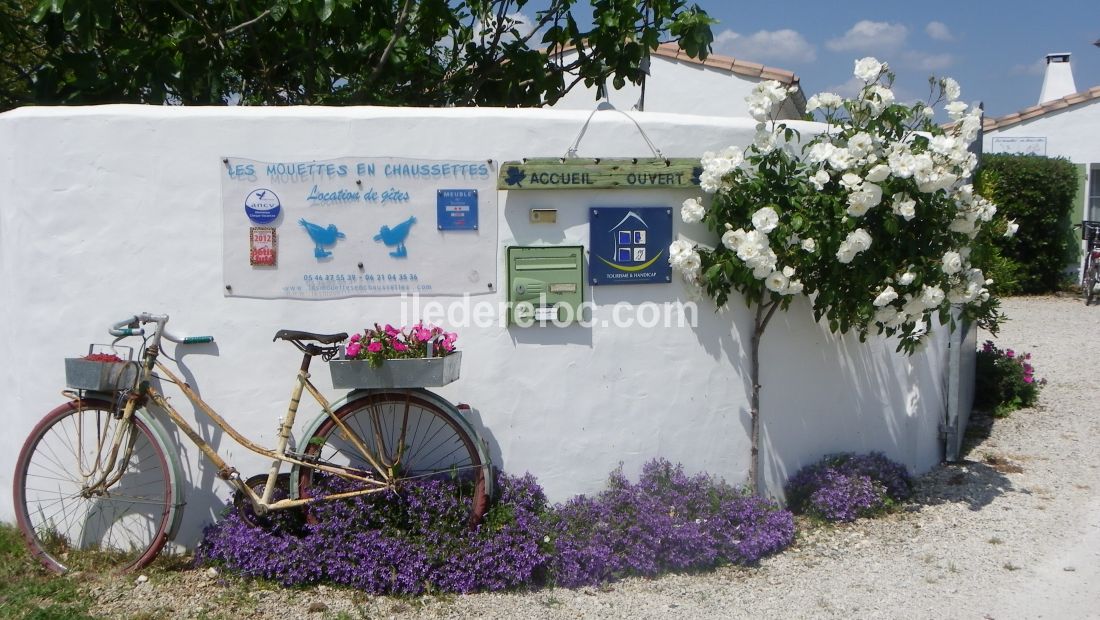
point(109, 211)
point(1071, 133)
point(677, 86)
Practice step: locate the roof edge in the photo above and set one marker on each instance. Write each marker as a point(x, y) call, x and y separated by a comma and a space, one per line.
point(1035, 111)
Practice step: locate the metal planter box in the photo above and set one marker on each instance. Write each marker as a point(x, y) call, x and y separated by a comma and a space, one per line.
point(407, 373)
point(82, 374)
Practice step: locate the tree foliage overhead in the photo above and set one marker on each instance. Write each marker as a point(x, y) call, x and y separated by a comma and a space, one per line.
point(329, 52)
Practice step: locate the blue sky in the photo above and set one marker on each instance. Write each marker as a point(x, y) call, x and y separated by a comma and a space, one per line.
point(995, 49)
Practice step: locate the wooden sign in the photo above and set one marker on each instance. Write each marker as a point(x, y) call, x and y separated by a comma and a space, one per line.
point(553, 173)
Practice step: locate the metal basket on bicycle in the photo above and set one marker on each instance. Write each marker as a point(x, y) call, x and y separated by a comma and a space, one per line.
point(1090, 231)
point(96, 372)
point(399, 373)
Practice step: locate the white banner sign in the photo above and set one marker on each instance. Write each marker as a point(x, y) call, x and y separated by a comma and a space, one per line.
point(358, 226)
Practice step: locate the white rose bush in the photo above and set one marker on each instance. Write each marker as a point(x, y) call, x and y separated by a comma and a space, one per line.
point(873, 219)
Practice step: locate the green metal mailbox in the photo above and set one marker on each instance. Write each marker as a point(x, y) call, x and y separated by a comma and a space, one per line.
point(545, 284)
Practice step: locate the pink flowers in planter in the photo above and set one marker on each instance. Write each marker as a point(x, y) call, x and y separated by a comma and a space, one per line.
point(382, 343)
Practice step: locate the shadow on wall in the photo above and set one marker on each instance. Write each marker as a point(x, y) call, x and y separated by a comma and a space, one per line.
point(893, 403)
point(201, 497)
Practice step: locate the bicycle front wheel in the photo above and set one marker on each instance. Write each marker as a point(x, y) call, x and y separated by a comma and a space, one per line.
point(68, 517)
point(410, 438)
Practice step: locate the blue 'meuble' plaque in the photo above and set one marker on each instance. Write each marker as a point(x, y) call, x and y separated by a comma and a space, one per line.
point(629, 245)
point(456, 209)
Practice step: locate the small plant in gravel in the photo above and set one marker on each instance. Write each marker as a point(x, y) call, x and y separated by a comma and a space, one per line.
point(417, 541)
point(1005, 381)
point(845, 487)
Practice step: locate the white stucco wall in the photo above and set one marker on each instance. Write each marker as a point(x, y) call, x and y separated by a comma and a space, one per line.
point(109, 211)
point(1073, 133)
point(677, 86)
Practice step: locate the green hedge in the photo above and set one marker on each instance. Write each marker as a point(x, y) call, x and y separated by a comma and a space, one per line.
point(1039, 193)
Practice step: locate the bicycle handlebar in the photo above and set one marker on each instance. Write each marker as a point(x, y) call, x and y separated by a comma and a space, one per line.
point(131, 326)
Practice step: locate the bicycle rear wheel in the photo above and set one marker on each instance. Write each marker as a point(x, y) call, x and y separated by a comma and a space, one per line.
point(1092, 279)
point(69, 525)
point(412, 438)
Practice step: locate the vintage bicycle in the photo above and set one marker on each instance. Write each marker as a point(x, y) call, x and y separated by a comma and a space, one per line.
point(98, 482)
point(1090, 273)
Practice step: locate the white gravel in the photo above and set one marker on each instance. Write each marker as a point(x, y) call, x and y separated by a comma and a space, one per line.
point(1014, 532)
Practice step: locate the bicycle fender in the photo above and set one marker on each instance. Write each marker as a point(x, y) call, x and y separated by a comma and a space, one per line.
point(445, 405)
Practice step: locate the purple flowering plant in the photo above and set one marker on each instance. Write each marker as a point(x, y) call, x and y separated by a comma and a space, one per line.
point(1005, 381)
point(417, 541)
point(845, 487)
point(379, 343)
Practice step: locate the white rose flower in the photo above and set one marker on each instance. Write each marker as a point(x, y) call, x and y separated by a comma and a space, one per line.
point(830, 100)
point(928, 112)
point(809, 245)
point(860, 144)
point(692, 211)
point(794, 287)
point(819, 179)
point(859, 239)
point(1011, 229)
point(733, 239)
point(878, 173)
point(952, 263)
point(820, 152)
point(764, 142)
point(851, 182)
point(951, 89)
point(904, 206)
point(776, 282)
point(789, 271)
point(906, 278)
point(931, 296)
point(955, 109)
point(840, 159)
point(765, 220)
point(679, 248)
point(868, 69)
point(902, 164)
point(690, 265)
point(887, 295)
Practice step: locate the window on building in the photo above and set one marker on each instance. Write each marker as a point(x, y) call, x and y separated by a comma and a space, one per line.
point(1094, 193)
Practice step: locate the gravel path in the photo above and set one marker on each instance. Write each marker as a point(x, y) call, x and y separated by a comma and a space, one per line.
point(1013, 532)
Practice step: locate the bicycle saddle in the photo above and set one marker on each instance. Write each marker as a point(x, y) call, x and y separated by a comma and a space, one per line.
point(295, 335)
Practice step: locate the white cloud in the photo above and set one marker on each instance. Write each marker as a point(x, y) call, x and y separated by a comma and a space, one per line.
point(1033, 68)
point(774, 46)
point(870, 37)
point(848, 89)
point(923, 61)
point(939, 31)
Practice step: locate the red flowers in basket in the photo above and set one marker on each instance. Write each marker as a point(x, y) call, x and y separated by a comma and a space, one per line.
point(103, 357)
point(386, 343)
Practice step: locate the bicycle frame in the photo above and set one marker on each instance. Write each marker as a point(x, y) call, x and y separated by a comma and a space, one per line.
point(145, 391)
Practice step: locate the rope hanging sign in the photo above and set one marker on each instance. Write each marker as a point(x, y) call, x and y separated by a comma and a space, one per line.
point(572, 172)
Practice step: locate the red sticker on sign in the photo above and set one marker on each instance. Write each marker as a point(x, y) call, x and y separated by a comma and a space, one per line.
point(262, 246)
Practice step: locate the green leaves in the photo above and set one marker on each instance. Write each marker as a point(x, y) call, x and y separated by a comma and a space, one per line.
point(333, 52)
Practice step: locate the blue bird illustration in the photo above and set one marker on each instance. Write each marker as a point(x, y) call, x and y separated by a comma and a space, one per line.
point(395, 237)
point(321, 237)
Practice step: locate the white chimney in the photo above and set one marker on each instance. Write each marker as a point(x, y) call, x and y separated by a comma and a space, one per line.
point(1058, 79)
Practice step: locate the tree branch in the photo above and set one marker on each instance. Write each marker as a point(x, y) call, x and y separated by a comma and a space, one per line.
point(247, 23)
point(398, 30)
